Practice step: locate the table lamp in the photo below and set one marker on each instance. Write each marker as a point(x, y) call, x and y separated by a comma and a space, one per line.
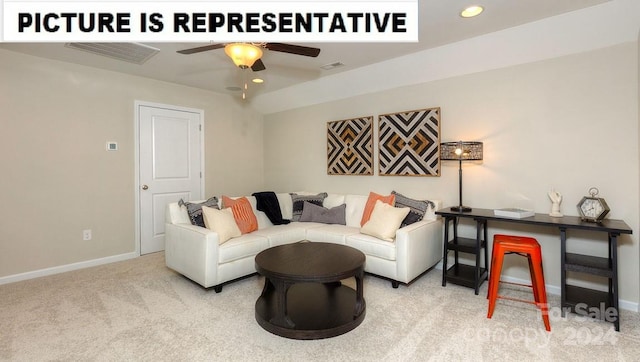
point(461, 151)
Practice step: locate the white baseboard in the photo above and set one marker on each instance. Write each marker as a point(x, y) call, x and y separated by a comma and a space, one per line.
point(65, 268)
point(555, 290)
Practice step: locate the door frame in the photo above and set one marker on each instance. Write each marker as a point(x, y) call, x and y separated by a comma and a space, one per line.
point(136, 132)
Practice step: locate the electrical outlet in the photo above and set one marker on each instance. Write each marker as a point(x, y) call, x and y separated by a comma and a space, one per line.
point(86, 234)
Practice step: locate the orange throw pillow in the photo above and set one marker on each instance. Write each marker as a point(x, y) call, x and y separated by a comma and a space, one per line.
point(371, 203)
point(242, 213)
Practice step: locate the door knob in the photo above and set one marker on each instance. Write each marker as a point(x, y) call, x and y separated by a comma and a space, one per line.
point(145, 187)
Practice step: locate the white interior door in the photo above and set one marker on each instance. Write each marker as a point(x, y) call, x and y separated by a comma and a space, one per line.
point(170, 167)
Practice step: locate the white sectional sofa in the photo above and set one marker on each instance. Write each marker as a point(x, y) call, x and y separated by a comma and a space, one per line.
point(195, 251)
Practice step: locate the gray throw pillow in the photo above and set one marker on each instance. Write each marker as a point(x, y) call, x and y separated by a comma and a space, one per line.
point(195, 209)
point(418, 208)
point(298, 203)
point(314, 213)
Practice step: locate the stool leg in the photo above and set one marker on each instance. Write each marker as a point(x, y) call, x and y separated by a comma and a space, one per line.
point(540, 288)
point(493, 258)
point(496, 269)
point(536, 297)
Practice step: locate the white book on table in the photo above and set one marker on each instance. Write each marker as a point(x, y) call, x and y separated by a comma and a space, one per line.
point(514, 212)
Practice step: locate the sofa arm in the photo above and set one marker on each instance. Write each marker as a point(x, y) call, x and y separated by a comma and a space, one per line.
point(192, 251)
point(418, 248)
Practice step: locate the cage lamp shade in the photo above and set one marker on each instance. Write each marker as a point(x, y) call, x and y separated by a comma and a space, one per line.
point(243, 54)
point(465, 151)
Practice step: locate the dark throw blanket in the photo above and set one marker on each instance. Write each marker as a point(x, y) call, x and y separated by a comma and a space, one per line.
point(267, 202)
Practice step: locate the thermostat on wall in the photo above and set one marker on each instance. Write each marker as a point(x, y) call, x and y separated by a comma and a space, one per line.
point(112, 146)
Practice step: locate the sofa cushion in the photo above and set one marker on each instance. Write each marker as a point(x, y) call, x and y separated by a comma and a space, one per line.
point(314, 213)
point(333, 200)
point(333, 233)
point(355, 208)
point(194, 209)
point(418, 208)
point(370, 245)
point(242, 213)
point(176, 213)
point(222, 222)
point(371, 203)
point(247, 245)
point(286, 205)
point(385, 221)
point(283, 234)
point(298, 203)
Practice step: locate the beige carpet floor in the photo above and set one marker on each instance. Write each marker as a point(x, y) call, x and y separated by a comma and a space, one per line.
point(138, 310)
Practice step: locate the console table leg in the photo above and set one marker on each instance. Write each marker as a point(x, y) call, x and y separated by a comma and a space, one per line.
point(563, 271)
point(613, 282)
point(446, 251)
point(478, 241)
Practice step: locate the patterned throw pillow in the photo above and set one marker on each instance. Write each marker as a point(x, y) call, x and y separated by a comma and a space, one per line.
point(195, 209)
point(371, 203)
point(418, 208)
point(298, 203)
point(242, 212)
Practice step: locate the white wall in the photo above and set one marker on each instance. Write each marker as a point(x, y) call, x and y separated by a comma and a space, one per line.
point(567, 123)
point(58, 179)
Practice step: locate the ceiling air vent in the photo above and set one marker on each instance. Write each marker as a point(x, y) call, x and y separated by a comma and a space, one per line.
point(129, 52)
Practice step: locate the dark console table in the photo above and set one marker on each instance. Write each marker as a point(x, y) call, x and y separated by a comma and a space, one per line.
point(579, 300)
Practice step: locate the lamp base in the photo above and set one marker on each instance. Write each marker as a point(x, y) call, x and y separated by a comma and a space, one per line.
point(461, 208)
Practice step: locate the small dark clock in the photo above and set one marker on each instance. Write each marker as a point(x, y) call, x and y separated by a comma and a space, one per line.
point(593, 208)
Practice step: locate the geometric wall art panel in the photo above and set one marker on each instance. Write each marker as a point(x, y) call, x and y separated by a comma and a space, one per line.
point(409, 143)
point(350, 146)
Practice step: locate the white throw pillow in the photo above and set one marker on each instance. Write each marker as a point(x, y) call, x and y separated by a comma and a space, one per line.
point(222, 222)
point(385, 220)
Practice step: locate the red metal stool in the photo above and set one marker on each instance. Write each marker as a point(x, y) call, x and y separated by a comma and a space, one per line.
point(529, 247)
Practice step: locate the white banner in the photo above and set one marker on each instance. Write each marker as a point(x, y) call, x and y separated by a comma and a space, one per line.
point(219, 21)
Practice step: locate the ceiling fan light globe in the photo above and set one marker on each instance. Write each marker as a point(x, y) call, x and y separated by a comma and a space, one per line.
point(243, 54)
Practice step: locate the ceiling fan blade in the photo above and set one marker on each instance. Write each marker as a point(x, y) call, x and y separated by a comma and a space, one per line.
point(258, 66)
point(201, 49)
point(293, 49)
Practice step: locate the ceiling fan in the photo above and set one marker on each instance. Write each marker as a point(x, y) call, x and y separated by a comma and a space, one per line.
point(247, 55)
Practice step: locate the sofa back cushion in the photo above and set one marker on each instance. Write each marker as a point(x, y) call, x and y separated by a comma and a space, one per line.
point(286, 205)
point(333, 200)
point(355, 209)
point(176, 214)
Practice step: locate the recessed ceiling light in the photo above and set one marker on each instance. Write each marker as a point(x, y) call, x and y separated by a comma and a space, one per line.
point(257, 80)
point(471, 11)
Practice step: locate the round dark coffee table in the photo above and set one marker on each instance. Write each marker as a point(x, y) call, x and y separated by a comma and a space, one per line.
point(303, 297)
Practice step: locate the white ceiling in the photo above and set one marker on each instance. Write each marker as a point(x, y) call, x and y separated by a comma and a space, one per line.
point(440, 24)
